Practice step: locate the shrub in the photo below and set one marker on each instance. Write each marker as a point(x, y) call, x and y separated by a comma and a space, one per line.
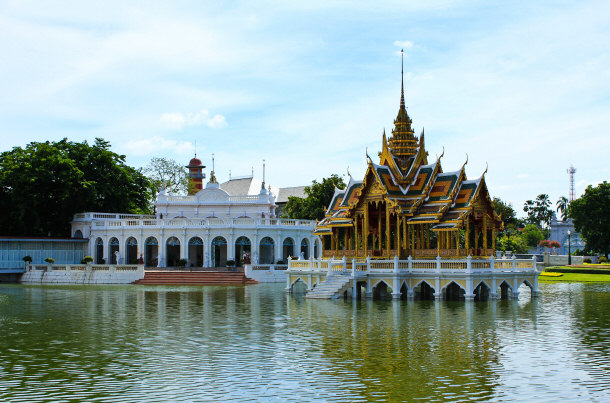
point(545, 243)
point(181, 262)
point(586, 260)
point(554, 244)
point(280, 262)
point(27, 259)
point(102, 261)
point(87, 259)
point(230, 263)
point(49, 260)
point(602, 259)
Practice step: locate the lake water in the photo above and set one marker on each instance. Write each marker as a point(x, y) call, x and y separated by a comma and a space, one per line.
point(256, 343)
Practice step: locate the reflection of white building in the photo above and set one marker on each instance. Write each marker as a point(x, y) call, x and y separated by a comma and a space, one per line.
point(206, 228)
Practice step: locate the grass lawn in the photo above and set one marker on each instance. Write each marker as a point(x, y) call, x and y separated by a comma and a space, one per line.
point(576, 278)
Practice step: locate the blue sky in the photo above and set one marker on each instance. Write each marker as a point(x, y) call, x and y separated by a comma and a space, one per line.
point(309, 86)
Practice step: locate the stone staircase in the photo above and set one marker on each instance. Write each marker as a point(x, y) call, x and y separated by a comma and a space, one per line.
point(194, 278)
point(332, 287)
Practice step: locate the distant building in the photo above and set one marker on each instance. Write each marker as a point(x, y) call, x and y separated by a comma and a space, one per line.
point(64, 250)
point(250, 185)
point(559, 233)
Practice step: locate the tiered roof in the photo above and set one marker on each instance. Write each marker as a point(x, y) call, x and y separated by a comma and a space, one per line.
point(414, 188)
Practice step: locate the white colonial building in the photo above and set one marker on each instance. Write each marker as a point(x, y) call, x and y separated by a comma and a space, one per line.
point(206, 229)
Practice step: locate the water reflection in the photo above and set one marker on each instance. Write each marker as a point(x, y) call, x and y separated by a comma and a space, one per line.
point(125, 343)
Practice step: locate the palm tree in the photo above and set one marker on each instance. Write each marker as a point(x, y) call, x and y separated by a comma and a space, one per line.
point(562, 206)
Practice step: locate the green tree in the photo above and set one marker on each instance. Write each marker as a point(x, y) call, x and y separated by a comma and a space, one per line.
point(43, 185)
point(562, 207)
point(590, 215)
point(314, 205)
point(532, 235)
point(166, 172)
point(538, 211)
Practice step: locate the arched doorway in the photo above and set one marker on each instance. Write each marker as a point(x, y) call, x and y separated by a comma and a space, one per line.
point(453, 292)
point(505, 290)
point(266, 252)
point(481, 292)
point(172, 251)
point(196, 252)
point(78, 234)
point(382, 291)
point(131, 251)
point(219, 252)
point(423, 291)
point(305, 248)
point(99, 251)
point(151, 252)
point(287, 249)
point(114, 249)
point(316, 248)
point(243, 249)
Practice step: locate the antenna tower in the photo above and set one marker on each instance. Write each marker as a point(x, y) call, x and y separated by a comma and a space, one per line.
point(571, 171)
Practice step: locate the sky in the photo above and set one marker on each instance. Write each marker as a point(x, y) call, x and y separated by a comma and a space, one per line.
point(522, 87)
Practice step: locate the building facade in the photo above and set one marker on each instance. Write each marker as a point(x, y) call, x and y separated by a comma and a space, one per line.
point(207, 228)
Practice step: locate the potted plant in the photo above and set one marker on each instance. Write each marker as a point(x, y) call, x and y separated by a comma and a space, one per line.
point(87, 260)
point(49, 260)
point(181, 263)
point(27, 260)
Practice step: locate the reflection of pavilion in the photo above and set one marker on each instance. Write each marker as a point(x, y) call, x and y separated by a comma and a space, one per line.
point(207, 228)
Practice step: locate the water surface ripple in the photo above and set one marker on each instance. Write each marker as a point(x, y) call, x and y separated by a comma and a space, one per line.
point(255, 343)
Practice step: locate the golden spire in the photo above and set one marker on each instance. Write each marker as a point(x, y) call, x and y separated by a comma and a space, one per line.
point(402, 143)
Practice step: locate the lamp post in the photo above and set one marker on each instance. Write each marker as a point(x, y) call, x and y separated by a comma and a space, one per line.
point(569, 249)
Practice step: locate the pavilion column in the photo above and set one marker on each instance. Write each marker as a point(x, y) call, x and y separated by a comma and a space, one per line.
point(356, 234)
point(365, 230)
point(398, 245)
point(468, 237)
point(428, 229)
point(438, 243)
point(476, 239)
point(345, 239)
point(405, 228)
point(457, 242)
point(387, 229)
point(493, 240)
point(379, 233)
point(485, 234)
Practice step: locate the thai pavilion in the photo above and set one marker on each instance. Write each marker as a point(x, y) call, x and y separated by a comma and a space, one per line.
point(413, 229)
point(406, 206)
point(209, 227)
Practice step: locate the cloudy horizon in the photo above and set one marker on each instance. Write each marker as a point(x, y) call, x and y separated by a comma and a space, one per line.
point(519, 86)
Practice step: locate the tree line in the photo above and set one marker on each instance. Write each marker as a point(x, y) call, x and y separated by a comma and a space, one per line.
point(43, 185)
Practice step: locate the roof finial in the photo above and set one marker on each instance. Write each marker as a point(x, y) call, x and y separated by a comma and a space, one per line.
point(195, 148)
point(348, 174)
point(402, 84)
point(263, 184)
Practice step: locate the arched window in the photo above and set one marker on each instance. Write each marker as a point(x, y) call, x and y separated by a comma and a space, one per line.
point(131, 251)
point(287, 249)
point(242, 251)
point(151, 252)
point(114, 250)
point(305, 248)
point(219, 252)
point(196, 252)
point(266, 251)
point(78, 234)
point(99, 251)
point(172, 251)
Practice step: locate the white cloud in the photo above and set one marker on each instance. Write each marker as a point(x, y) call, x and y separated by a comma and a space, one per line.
point(404, 44)
point(178, 121)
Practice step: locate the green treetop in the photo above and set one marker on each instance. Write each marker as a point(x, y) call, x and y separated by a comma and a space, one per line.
point(44, 184)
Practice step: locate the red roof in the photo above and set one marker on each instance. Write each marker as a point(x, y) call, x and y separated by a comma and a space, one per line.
point(195, 162)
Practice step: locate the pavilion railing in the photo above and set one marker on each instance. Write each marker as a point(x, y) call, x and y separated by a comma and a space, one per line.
point(439, 265)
